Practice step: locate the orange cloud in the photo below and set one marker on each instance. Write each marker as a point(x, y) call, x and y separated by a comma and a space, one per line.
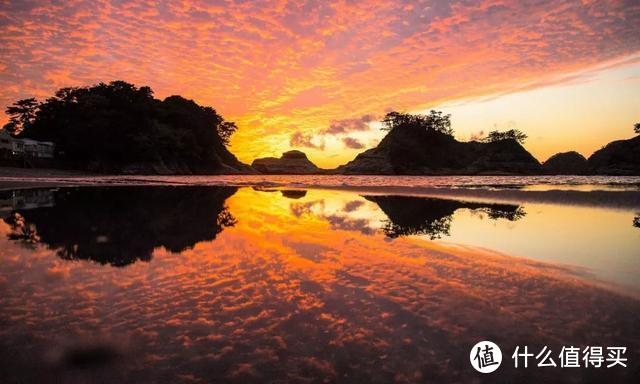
point(302, 65)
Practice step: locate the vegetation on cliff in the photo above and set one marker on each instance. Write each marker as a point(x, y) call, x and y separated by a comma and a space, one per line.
point(512, 134)
point(424, 145)
point(118, 127)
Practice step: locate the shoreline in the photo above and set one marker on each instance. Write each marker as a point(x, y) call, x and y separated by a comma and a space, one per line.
point(602, 195)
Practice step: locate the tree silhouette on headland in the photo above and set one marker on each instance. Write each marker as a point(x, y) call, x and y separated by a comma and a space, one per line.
point(410, 215)
point(106, 127)
point(512, 134)
point(636, 128)
point(120, 225)
point(435, 121)
point(21, 114)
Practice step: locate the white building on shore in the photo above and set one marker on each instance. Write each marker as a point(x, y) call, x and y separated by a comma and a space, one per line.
point(13, 147)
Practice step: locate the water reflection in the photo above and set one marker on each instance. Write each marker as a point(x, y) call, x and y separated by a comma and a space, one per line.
point(636, 221)
point(120, 225)
point(432, 217)
point(293, 193)
point(310, 290)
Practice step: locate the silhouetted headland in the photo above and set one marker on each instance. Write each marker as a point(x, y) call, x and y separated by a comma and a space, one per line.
point(620, 157)
point(118, 128)
point(424, 145)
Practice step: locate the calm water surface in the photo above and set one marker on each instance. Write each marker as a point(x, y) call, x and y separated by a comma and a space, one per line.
point(280, 284)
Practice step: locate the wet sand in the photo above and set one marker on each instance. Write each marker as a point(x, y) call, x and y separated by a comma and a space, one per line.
point(39, 172)
point(14, 178)
point(604, 195)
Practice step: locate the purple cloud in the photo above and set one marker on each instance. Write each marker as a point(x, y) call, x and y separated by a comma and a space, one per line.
point(299, 139)
point(349, 125)
point(352, 143)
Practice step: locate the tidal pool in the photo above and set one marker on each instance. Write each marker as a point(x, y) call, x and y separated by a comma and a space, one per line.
point(256, 284)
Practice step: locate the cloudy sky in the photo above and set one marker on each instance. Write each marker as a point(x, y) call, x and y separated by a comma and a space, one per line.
point(316, 75)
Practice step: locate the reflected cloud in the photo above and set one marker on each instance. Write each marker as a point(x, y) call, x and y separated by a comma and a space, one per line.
point(284, 296)
point(338, 219)
point(121, 225)
point(352, 206)
point(409, 215)
point(349, 224)
point(299, 209)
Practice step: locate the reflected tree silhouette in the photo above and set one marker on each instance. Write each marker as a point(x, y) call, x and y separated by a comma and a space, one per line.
point(121, 225)
point(511, 213)
point(410, 215)
point(636, 221)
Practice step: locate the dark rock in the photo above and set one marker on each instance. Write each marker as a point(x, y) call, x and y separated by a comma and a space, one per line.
point(620, 157)
point(292, 163)
point(404, 152)
point(566, 163)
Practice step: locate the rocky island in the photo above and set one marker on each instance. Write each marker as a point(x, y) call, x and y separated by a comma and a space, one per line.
point(424, 145)
point(620, 157)
point(292, 163)
point(566, 163)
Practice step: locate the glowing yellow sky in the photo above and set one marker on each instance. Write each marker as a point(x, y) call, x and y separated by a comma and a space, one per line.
point(311, 75)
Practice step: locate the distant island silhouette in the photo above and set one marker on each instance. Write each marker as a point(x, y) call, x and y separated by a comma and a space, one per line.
point(292, 163)
point(127, 225)
point(121, 129)
point(566, 163)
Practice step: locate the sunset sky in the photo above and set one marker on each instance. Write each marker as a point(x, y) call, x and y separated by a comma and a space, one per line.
point(316, 75)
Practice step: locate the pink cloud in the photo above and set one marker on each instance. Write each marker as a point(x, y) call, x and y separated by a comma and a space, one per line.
point(308, 65)
point(349, 125)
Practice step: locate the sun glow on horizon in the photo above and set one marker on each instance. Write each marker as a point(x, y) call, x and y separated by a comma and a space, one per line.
point(583, 114)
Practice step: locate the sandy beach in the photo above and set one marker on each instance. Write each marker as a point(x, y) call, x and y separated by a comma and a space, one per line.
point(33, 177)
point(39, 172)
point(595, 191)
